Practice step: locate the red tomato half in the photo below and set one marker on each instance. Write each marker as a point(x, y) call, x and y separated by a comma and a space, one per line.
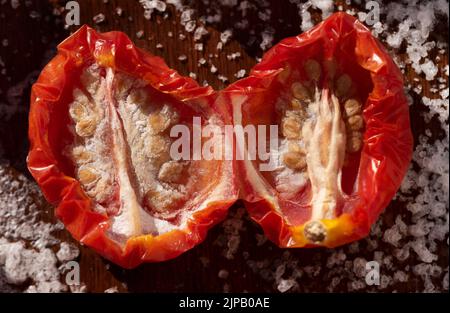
point(100, 120)
point(345, 138)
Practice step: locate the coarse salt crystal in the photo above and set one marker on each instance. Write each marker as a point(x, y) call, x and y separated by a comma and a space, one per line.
point(225, 36)
point(199, 33)
point(223, 274)
point(430, 69)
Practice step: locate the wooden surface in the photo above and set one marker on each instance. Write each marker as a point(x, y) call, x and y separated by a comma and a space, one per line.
point(26, 52)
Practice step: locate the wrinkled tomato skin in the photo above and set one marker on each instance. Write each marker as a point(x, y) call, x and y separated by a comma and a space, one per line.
point(387, 139)
point(47, 123)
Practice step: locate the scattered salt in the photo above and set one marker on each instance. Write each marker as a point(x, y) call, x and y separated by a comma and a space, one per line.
point(34, 263)
point(99, 18)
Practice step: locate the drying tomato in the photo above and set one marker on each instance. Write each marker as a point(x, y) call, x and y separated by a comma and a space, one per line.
point(101, 121)
point(99, 127)
point(345, 138)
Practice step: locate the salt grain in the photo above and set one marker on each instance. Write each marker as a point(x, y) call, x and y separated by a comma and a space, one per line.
point(15, 4)
point(190, 26)
point(67, 252)
point(223, 274)
point(285, 284)
point(99, 18)
point(139, 34)
point(198, 46)
point(241, 73)
point(225, 36)
point(222, 78)
point(429, 69)
point(199, 33)
point(113, 289)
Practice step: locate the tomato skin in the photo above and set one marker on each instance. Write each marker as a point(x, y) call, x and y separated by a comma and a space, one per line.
point(50, 96)
point(387, 139)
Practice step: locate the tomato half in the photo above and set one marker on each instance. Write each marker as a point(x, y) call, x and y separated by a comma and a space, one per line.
point(345, 138)
point(99, 126)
